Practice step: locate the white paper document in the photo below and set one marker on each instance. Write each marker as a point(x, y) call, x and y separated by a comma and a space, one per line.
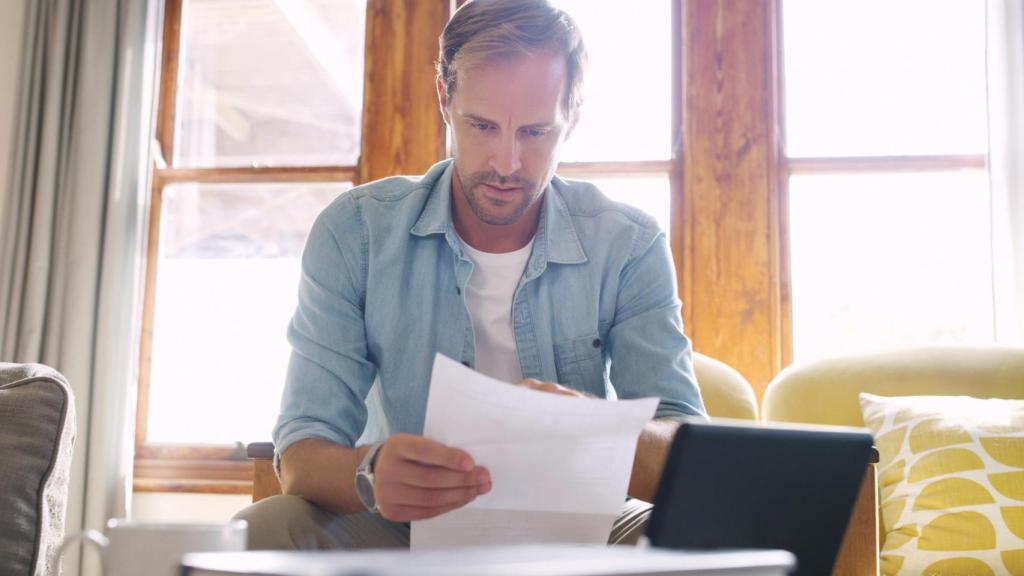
point(559, 465)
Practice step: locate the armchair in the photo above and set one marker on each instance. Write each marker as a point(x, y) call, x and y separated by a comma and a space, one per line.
point(826, 392)
point(37, 433)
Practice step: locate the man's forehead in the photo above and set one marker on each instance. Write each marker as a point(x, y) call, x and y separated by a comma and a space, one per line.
point(527, 88)
point(543, 66)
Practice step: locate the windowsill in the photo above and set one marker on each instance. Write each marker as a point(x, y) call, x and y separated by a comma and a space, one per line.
point(192, 486)
point(192, 469)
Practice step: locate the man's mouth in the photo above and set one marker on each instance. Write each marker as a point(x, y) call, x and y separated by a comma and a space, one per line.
point(502, 190)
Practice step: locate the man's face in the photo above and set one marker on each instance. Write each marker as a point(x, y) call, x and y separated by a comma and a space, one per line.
point(507, 128)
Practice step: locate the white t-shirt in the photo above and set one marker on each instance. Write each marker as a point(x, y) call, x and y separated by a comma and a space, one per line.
point(489, 293)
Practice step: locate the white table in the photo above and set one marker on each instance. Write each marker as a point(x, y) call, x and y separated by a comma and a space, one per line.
point(546, 560)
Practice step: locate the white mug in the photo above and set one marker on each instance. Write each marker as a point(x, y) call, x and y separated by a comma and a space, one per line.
point(154, 549)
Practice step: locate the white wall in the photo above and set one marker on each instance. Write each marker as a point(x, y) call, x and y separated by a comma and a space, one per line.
point(11, 34)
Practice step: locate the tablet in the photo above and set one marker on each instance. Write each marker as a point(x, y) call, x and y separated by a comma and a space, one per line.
point(737, 485)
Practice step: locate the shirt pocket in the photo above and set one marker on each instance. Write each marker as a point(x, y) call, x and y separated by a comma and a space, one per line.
point(580, 364)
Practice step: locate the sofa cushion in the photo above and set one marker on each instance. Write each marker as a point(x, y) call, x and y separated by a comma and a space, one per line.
point(726, 393)
point(37, 427)
point(825, 391)
point(951, 483)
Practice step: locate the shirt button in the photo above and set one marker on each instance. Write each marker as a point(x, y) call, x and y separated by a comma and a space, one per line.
point(596, 342)
point(458, 290)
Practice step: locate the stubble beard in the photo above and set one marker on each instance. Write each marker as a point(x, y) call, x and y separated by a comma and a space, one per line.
point(475, 194)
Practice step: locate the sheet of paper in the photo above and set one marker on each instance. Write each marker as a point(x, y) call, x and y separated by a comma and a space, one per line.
point(559, 465)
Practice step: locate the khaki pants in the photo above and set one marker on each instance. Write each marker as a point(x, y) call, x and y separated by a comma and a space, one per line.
point(291, 523)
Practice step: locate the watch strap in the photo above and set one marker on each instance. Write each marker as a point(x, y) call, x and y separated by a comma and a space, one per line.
point(365, 477)
point(369, 462)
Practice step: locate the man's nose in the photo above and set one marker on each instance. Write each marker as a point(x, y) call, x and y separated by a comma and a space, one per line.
point(505, 159)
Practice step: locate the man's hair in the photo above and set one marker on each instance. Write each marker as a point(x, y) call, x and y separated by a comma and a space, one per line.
point(485, 29)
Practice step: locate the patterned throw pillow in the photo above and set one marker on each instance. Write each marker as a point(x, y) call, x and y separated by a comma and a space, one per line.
point(951, 483)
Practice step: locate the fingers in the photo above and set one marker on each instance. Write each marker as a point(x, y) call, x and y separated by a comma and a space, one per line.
point(419, 475)
point(418, 478)
point(404, 495)
point(552, 388)
point(426, 451)
point(400, 502)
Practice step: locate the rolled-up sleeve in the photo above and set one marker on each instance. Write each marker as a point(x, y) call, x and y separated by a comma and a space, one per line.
point(329, 373)
point(650, 354)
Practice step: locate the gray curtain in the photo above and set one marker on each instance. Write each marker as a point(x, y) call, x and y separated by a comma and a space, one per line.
point(72, 228)
point(1006, 163)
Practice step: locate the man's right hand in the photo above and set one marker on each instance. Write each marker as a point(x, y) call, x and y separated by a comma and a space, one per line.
point(416, 478)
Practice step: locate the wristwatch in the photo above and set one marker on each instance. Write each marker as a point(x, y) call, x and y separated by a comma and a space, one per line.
point(364, 479)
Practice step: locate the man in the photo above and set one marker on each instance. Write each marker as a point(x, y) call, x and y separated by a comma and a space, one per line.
point(488, 259)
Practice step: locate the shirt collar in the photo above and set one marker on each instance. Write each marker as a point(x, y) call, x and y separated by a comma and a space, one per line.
point(556, 240)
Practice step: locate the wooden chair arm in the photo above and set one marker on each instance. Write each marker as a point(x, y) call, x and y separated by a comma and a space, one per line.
point(858, 555)
point(264, 479)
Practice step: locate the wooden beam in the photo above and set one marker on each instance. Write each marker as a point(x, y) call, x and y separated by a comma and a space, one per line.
point(222, 452)
point(874, 164)
point(190, 486)
point(782, 304)
point(164, 155)
point(730, 176)
point(197, 476)
point(193, 470)
point(258, 175)
point(403, 132)
point(681, 226)
point(148, 315)
point(584, 169)
point(169, 80)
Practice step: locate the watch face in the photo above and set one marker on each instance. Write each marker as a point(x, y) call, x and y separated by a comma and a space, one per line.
point(364, 489)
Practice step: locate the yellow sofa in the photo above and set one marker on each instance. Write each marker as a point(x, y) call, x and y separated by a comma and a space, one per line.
point(826, 392)
point(726, 393)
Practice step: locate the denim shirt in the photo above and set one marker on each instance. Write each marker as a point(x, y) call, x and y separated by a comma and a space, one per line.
point(382, 291)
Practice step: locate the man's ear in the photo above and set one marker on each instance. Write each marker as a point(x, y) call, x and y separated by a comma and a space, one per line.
point(442, 100)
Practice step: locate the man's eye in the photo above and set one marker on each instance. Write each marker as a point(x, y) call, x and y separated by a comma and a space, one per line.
point(536, 132)
point(481, 126)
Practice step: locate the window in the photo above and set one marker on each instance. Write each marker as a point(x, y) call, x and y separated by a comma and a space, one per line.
point(228, 271)
point(886, 144)
point(623, 143)
point(260, 127)
point(269, 83)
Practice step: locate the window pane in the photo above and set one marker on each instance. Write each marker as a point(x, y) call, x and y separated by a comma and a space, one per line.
point(270, 82)
point(227, 286)
point(627, 114)
point(888, 260)
point(877, 77)
point(648, 192)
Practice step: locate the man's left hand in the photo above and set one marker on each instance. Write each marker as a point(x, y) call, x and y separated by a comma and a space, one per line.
point(553, 388)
